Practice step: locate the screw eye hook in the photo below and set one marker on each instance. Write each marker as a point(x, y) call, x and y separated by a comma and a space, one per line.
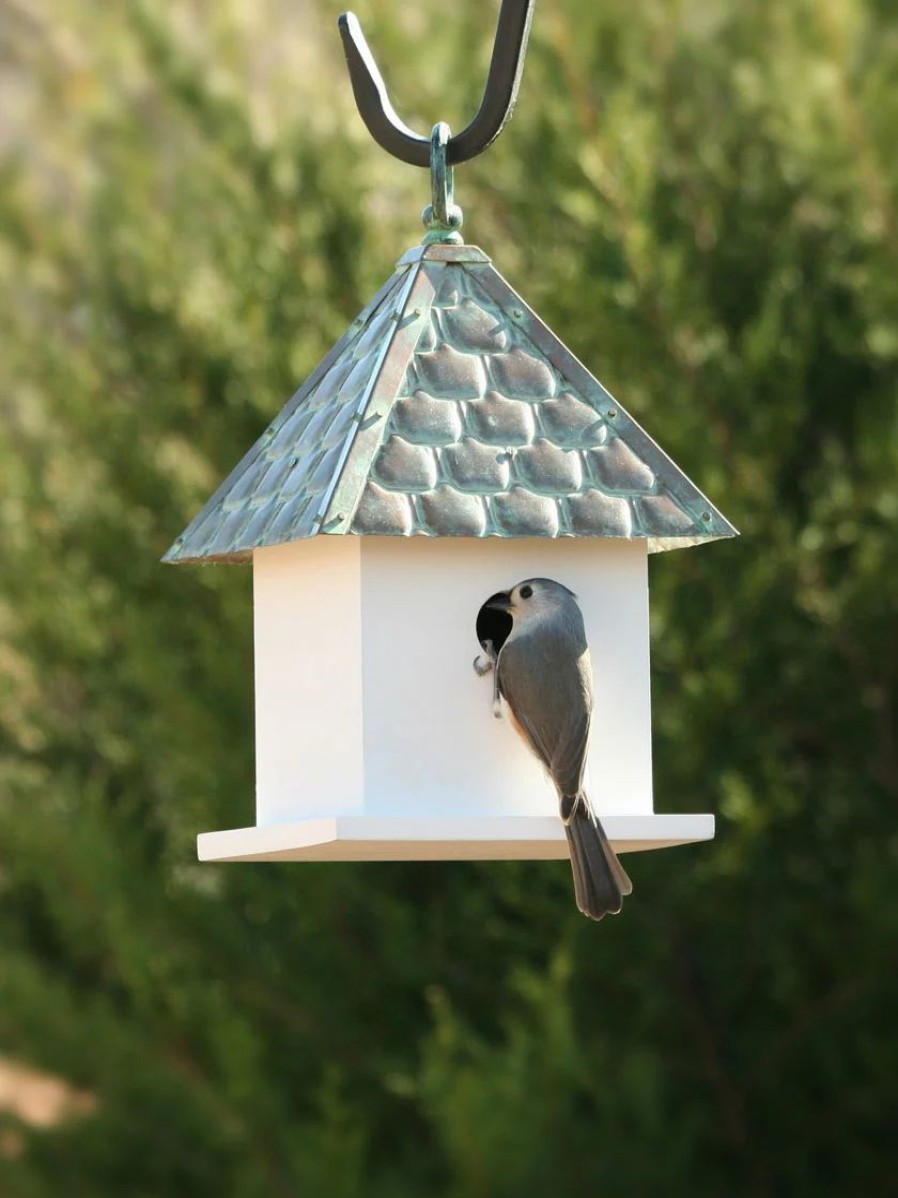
point(443, 217)
point(500, 93)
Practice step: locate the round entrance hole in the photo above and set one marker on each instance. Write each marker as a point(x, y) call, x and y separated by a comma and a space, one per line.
point(493, 625)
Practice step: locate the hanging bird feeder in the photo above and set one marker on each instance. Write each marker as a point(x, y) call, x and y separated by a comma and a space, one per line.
point(447, 446)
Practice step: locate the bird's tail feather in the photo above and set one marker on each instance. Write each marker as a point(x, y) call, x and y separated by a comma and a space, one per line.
point(600, 881)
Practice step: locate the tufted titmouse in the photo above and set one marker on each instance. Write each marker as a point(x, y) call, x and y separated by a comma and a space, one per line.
point(544, 674)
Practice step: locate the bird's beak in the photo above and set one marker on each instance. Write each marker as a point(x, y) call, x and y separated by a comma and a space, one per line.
point(501, 601)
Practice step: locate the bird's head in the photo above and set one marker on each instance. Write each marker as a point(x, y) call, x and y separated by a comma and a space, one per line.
point(533, 598)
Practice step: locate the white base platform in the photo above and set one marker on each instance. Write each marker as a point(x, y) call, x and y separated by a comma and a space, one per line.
point(399, 838)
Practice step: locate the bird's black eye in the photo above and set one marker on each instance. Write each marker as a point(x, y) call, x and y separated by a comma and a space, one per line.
point(526, 592)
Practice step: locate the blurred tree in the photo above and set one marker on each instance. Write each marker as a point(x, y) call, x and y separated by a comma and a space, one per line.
point(700, 196)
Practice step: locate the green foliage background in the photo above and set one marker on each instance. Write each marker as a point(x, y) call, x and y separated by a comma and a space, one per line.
point(700, 196)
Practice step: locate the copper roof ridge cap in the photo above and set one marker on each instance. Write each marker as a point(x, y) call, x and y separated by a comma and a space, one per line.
point(443, 253)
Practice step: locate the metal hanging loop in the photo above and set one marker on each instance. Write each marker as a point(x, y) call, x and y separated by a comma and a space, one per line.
point(443, 217)
point(499, 96)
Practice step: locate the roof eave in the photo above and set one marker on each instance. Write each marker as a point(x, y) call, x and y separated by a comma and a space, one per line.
point(656, 544)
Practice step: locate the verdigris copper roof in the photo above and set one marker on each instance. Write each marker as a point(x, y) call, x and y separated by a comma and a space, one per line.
point(449, 409)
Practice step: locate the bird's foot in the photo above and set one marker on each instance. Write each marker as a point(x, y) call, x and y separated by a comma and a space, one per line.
point(485, 661)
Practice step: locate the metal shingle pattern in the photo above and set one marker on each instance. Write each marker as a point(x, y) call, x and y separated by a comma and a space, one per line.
point(487, 437)
point(449, 409)
point(274, 494)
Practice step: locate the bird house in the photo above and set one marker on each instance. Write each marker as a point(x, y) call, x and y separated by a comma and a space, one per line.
point(447, 447)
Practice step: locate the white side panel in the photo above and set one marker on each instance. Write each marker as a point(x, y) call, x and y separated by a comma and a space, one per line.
point(432, 746)
point(308, 680)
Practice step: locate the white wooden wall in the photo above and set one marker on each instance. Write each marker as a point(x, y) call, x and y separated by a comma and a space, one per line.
point(366, 700)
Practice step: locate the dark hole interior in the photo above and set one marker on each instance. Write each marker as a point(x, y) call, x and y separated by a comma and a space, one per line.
point(493, 626)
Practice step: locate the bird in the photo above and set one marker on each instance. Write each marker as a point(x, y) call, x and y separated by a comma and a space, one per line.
point(544, 674)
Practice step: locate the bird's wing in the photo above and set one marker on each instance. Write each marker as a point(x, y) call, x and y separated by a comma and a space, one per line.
point(547, 682)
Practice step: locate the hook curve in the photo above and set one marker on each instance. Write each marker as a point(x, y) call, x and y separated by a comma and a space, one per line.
point(499, 96)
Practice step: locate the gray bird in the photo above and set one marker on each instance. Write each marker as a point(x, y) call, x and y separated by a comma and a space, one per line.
point(544, 674)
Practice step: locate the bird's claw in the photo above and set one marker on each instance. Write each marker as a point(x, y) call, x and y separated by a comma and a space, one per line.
point(485, 661)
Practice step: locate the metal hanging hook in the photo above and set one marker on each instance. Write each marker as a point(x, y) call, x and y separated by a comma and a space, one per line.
point(499, 96)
